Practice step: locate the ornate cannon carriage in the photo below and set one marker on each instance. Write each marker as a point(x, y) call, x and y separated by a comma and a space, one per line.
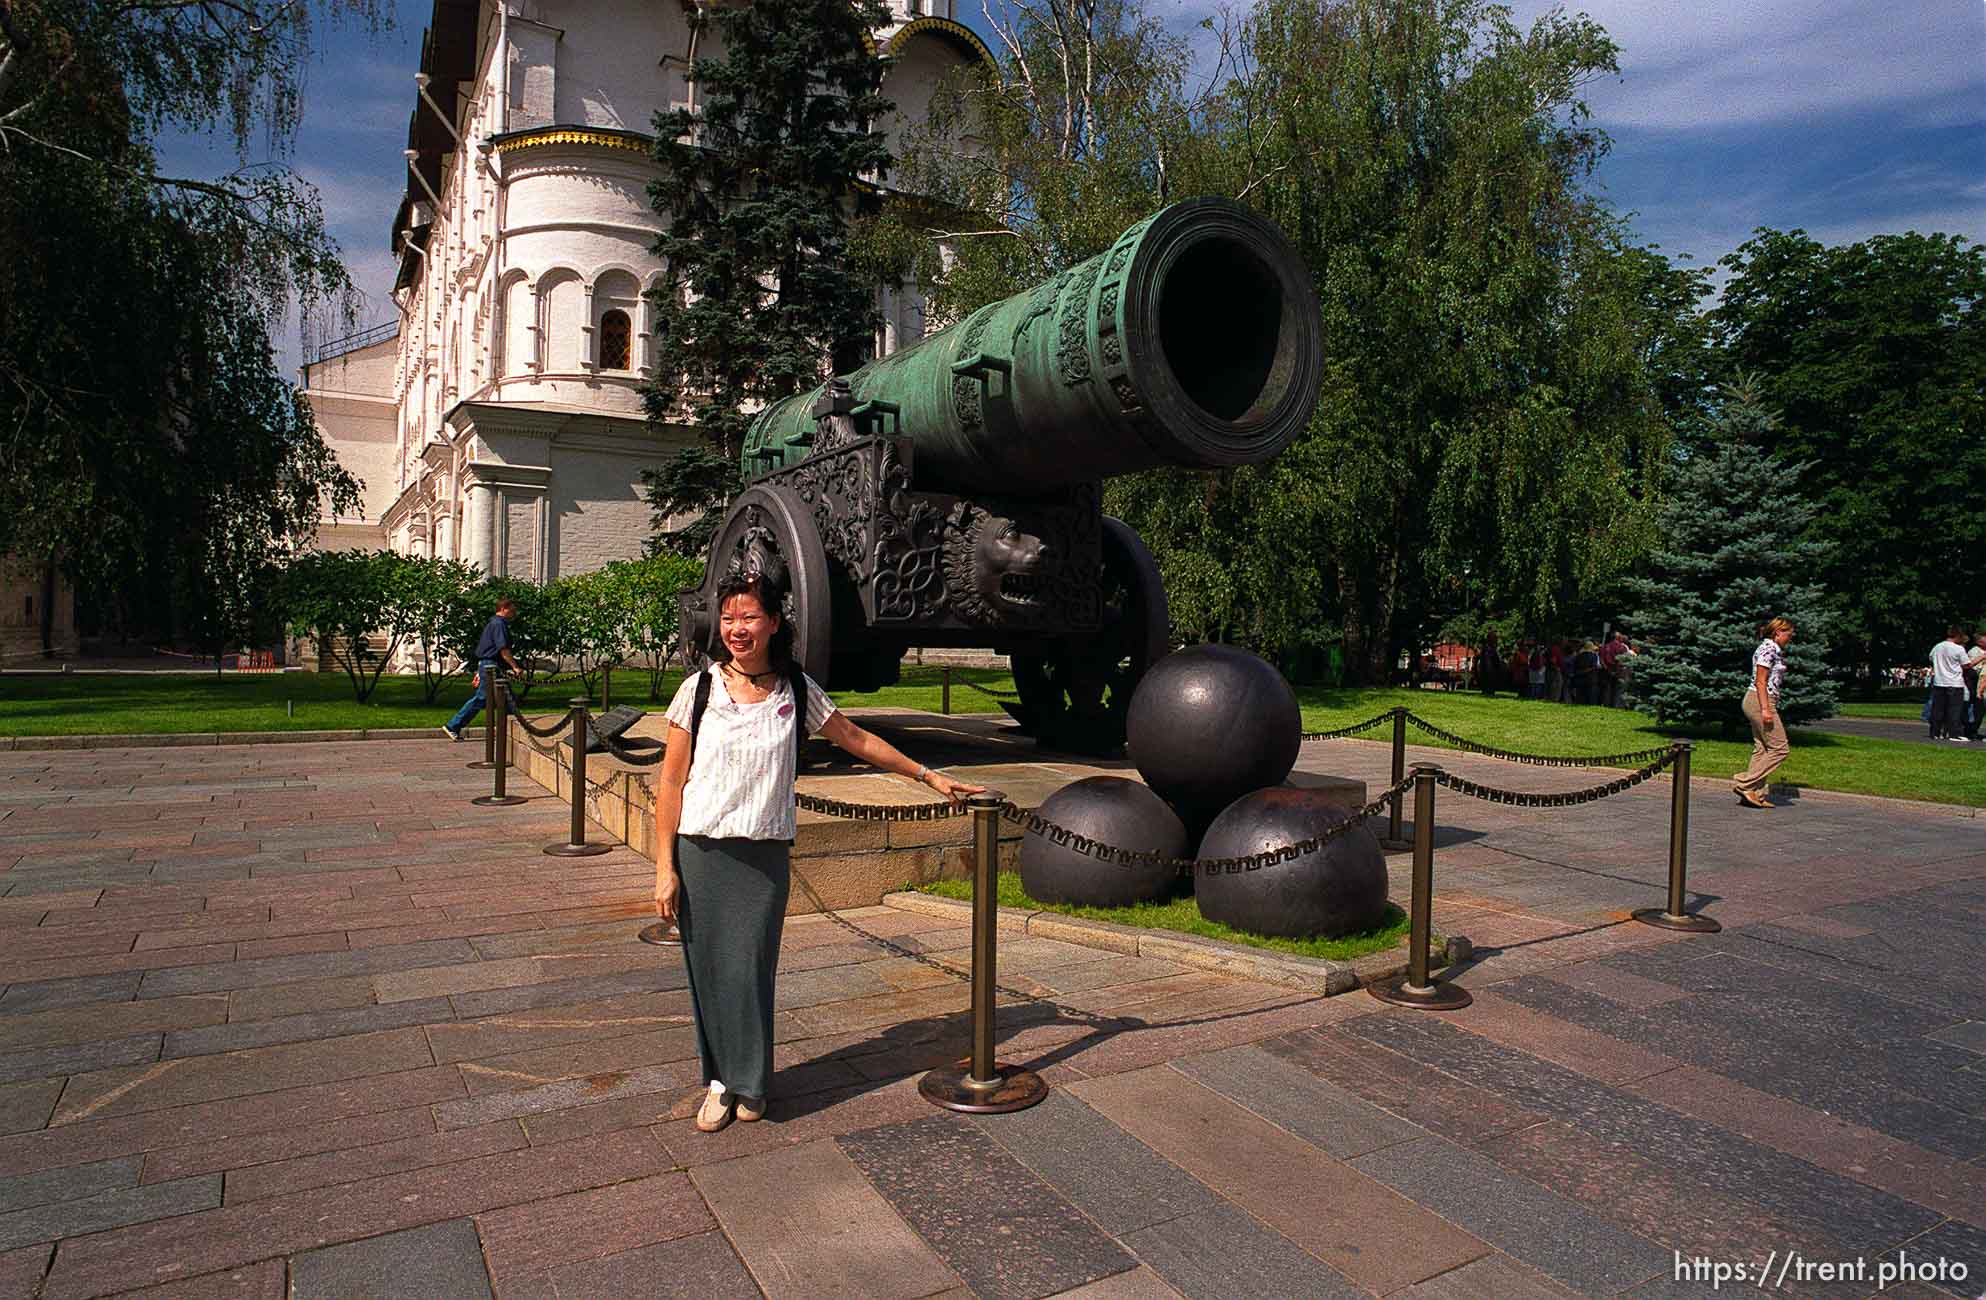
point(950, 494)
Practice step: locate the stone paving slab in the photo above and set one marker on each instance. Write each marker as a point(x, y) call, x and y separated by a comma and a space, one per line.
point(809, 1224)
point(959, 1191)
point(442, 1261)
point(380, 1017)
point(1375, 1237)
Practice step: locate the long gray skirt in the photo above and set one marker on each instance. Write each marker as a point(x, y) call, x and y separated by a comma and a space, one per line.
point(732, 914)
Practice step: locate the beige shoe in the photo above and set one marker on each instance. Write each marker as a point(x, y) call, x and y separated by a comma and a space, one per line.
point(717, 1110)
point(750, 1112)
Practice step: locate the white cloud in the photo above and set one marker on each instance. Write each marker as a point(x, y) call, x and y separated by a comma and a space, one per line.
point(1750, 62)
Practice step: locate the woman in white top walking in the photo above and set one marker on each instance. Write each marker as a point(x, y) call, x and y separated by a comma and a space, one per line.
point(1761, 707)
point(724, 828)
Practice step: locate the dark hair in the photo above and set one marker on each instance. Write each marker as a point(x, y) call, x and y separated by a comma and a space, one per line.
point(770, 595)
point(505, 602)
point(1954, 630)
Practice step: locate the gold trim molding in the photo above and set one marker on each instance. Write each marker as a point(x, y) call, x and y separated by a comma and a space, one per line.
point(627, 140)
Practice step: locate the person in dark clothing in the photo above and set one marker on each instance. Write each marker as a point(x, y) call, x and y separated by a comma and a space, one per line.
point(1586, 675)
point(1489, 666)
point(492, 655)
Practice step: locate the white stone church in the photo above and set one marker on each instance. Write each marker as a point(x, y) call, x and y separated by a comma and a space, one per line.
point(500, 422)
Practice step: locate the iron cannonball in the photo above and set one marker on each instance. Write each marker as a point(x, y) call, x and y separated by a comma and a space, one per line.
point(1118, 812)
point(1338, 889)
point(1210, 723)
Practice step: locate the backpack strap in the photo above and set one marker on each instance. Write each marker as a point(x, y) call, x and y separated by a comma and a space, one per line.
point(797, 679)
point(701, 701)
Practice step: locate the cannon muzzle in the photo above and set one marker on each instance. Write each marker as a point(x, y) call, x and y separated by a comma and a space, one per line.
point(1193, 341)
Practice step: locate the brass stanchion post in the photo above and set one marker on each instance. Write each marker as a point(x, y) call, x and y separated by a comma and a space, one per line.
point(1395, 837)
point(488, 760)
point(946, 707)
point(500, 723)
point(1673, 917)
point(1417, 988)
point(982, 1085)
point(576, 845)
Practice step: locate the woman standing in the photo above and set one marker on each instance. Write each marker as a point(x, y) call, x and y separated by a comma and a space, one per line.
point(1762, 711)
point(724, 824)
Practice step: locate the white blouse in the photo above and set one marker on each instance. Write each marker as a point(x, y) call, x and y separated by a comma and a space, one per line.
point(741, 774)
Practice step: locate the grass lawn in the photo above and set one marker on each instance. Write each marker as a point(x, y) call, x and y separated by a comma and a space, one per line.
point(48, 704)
point(1820, 760)
point(1912, 711)
point(1183, 915)
point(70, 704)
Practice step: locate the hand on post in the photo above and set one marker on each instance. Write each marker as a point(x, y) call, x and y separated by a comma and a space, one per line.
point(956, 791)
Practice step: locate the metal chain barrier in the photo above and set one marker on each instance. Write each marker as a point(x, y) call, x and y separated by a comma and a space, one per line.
point(990, 694)
point(1110, 854)
point(1557, 799)
point(551, 728)
point(896, 949)
point(1352, 730)
point(881, 812)
point(1628, 759)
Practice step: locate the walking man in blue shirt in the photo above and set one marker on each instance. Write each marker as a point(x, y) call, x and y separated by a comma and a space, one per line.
point(492, 655)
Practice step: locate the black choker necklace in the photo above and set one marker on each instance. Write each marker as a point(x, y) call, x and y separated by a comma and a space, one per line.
point(753, 678)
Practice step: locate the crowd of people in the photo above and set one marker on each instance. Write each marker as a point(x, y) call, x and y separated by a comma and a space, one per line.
point(1559, 671)
point(1957, 667)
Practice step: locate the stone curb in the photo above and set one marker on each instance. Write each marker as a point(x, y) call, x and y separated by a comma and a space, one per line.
point(1317, 975)
point(180, 740)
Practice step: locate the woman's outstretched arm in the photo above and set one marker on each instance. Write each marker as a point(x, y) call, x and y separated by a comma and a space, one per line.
point(877, 752)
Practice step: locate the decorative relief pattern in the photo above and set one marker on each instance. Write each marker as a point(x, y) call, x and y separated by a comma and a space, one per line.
point(831, 485)
point(1111, 345)
point(1039, 303)
point(968, 391)
point(1072, 353)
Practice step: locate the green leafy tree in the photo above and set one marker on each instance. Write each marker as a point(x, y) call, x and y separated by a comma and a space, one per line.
point(758, 185)
point(645, 592)
point(1875, 352)
point(695, 484)
point(154, 450)
point(431, 608)
point(589, 621)
point(342, 600)
point(1488, 404)
point(1082, 129)
point(1735, 550)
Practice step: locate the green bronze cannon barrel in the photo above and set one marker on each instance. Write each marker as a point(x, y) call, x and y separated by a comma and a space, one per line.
point(1194, 340)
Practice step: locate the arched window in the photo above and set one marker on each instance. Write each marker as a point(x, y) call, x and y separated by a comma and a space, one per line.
point(615, 337)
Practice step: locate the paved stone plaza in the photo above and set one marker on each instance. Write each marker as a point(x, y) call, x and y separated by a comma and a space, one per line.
point(297, 1019)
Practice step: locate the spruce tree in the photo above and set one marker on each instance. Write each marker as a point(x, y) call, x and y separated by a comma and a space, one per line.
point(759, 184)
point(1734, 551)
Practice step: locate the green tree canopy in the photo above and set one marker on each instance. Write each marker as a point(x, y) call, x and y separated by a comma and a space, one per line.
point(1734, 552)
point(152, 445)
point(1875, 352)
point(1502, 361)
point(758, 184)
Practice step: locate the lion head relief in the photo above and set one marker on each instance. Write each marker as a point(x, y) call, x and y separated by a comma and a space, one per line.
point(995, 570)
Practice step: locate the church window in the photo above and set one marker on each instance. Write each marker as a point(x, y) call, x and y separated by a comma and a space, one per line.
point(614, 339)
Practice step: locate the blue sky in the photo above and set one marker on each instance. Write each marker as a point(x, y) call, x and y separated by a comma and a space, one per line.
point(1847, 118)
